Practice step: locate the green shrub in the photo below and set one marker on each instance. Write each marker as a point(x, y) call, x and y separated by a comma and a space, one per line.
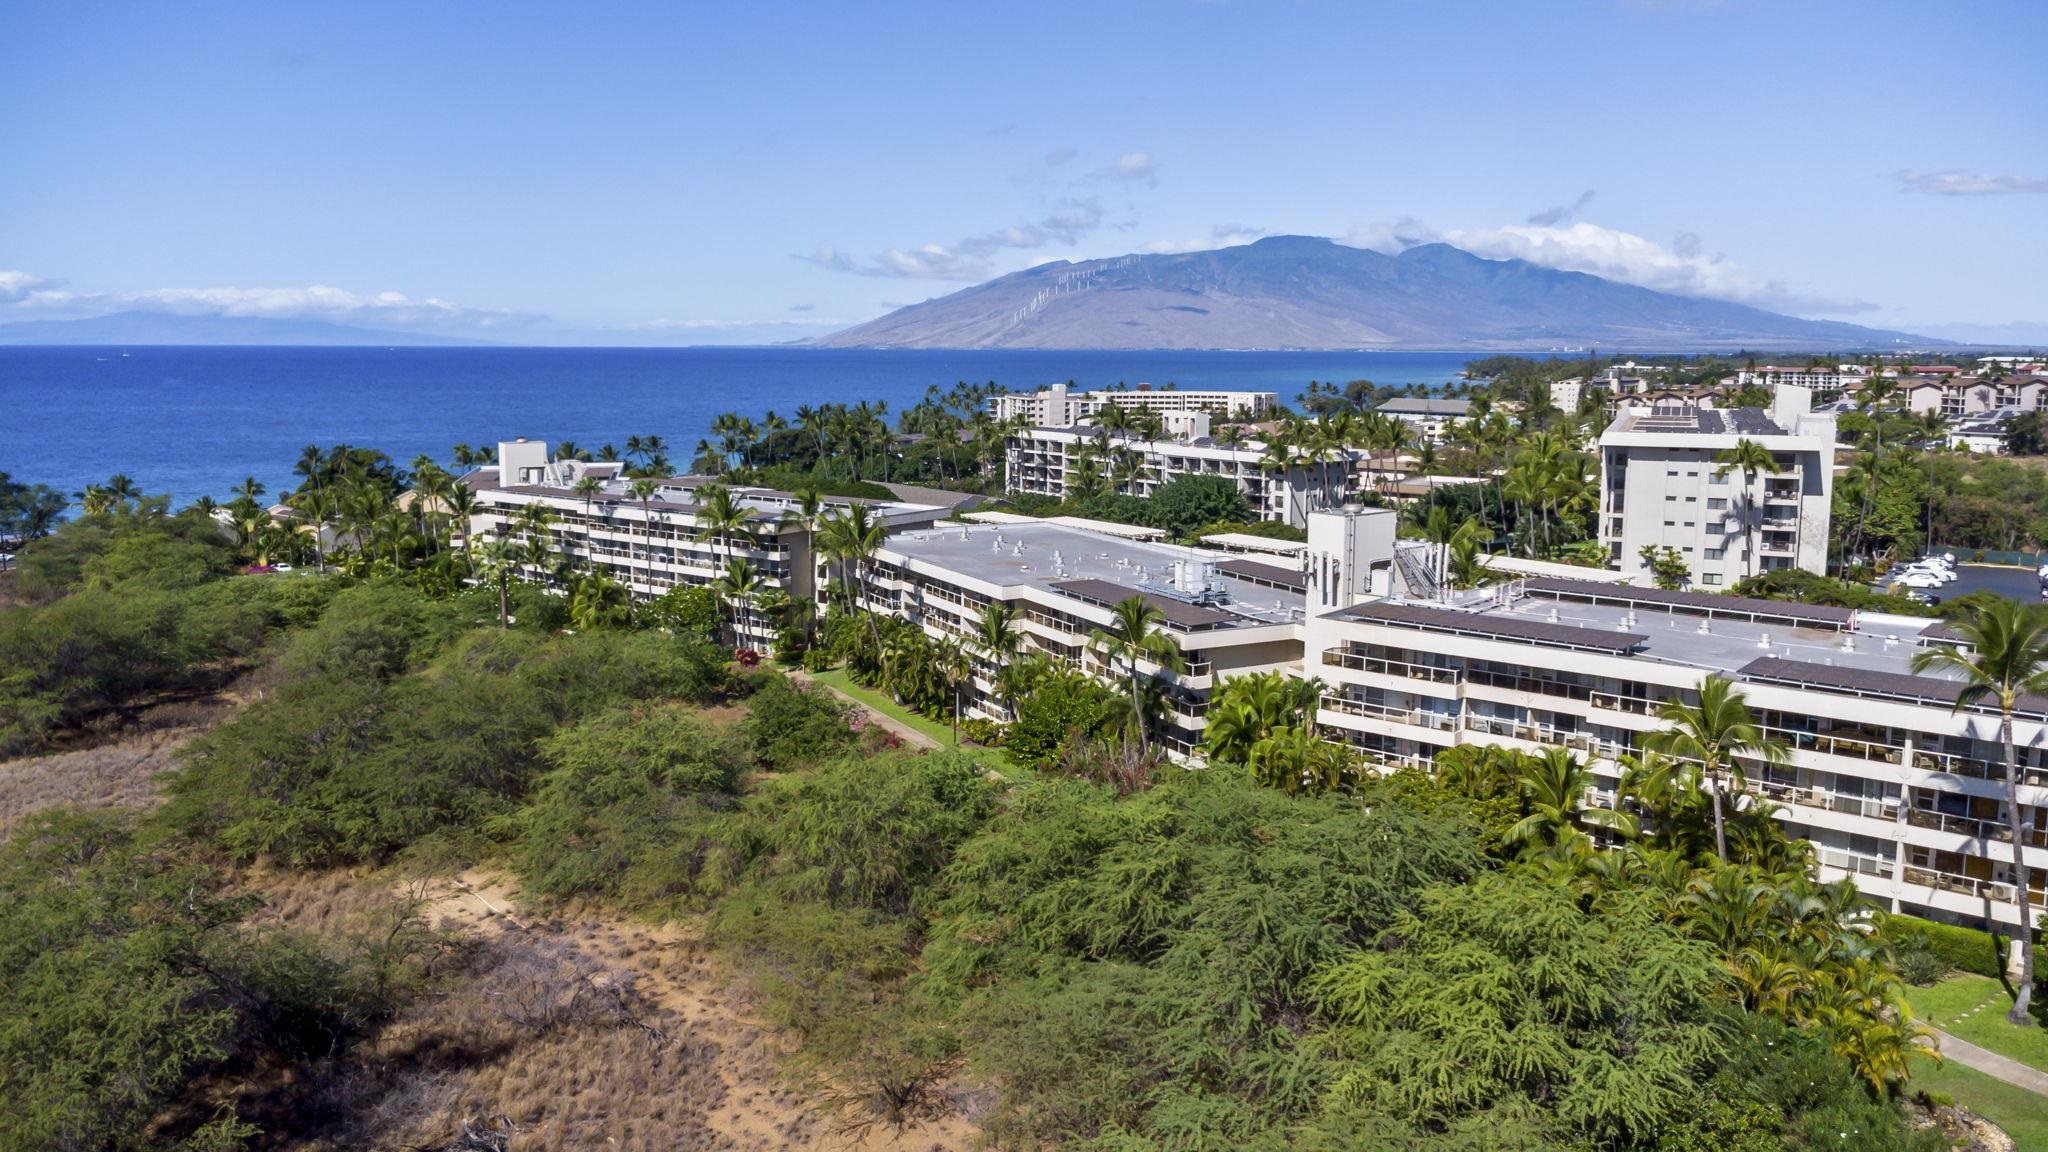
point(863, 832)
point(986, 733)
point(618, 786)
point(1953, 946)
point(1062, 707)
point(790, 724)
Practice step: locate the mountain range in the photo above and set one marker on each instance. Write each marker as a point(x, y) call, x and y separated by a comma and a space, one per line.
point(1303, 292)
point(154, 328)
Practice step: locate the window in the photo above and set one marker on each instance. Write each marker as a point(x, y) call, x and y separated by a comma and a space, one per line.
point(1671, 472)
point(1716, 553)
point(1690, 524)
point(1718, 478)
point(1670, 524)
point(1694, 474)
point(1692, 499)
point(1710, 577)
point(1717, 504)
point(1687, 548)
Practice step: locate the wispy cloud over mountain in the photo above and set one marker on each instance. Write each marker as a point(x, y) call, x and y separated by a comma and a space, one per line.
point(1221, 236)
point(1959, 183)
point(969, 258)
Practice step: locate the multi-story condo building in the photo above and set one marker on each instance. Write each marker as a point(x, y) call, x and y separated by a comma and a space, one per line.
point(1896, 789)
point(1822, 379)
point(1229, 614)
point(1047, 461)
point(1661, 486)
point(1959, 396)
point(660, 543)
point(1061, 407)
point(1432, 417)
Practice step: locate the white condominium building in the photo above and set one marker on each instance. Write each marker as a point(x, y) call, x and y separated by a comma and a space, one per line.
point(655, 545)
point(1059, 407)
point(1229, 614)
point(1896, 789)
point(1047, 461)
point(1432, 417)
point(1821, 379)
point(1661, 485)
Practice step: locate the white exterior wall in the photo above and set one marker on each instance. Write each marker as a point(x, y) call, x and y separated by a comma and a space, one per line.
point(1042, 462)
point(1059, 407)
point(1662, 489)
point(1907, 807)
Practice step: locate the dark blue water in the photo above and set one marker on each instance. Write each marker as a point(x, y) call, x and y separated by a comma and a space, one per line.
point(194, 421)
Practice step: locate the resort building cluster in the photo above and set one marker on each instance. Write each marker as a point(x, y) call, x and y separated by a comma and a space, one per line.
point(1897, 788)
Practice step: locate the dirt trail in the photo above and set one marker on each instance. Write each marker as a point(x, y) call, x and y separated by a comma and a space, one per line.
point(672, 966)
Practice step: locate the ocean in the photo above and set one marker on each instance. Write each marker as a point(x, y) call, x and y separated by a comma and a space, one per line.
point(194, 421)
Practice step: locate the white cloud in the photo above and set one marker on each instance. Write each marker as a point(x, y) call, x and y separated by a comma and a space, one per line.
point(1958, 183)
point(1134, 168)
point(18, 286)
point(969, 258)
point(1616, 255)
point(26, 295)
point(1391, 236)
point(1221, 236)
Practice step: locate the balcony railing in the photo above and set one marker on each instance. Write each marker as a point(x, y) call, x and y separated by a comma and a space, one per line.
point(1809, 797)
point(1833, 745)
point(1360, 662)
point(1436, 721)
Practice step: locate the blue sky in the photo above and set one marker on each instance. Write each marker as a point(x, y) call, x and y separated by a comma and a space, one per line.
point(624, 173)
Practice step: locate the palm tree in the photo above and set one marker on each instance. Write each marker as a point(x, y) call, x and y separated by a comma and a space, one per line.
point(2006, 657)
point(503, 557)
point(737, 586)
point(600, 602)
point(851, 537)
point(721, 515)
point(956, 664)
point(643, 488)
point(996, 637)
point(1715, 735)
point(1750, 458)
point(1553, 787)
point(1134, 634)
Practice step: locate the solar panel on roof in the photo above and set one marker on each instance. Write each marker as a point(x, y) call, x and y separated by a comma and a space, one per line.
point(1787, 611)
point(1865, 682)
point(1497, 627)
point(1270, 574)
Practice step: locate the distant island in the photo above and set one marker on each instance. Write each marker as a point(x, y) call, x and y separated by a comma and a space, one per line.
point(154, 328)
point(1306, 293)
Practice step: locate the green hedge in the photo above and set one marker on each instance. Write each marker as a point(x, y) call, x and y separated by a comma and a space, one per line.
point(1964, 949)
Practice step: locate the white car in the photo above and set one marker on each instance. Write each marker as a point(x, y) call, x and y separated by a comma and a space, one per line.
point(1917, 579)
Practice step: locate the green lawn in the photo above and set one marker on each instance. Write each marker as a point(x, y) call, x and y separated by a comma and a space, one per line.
point(880, 702)
point(2022, 1114)
point(1973, 1008)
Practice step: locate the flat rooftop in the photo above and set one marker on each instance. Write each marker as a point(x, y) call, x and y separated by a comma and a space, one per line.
point(1874, 657)
point(1047, 555)
point(1690, 421)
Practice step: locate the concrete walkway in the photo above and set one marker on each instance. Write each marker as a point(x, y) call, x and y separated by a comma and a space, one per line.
point(1991, 1063)
point(909, 735)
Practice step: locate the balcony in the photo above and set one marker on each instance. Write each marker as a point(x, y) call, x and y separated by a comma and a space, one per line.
point(1435, 721)
point(1359, 662)
point(1833, 745)
point(1872, 807)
